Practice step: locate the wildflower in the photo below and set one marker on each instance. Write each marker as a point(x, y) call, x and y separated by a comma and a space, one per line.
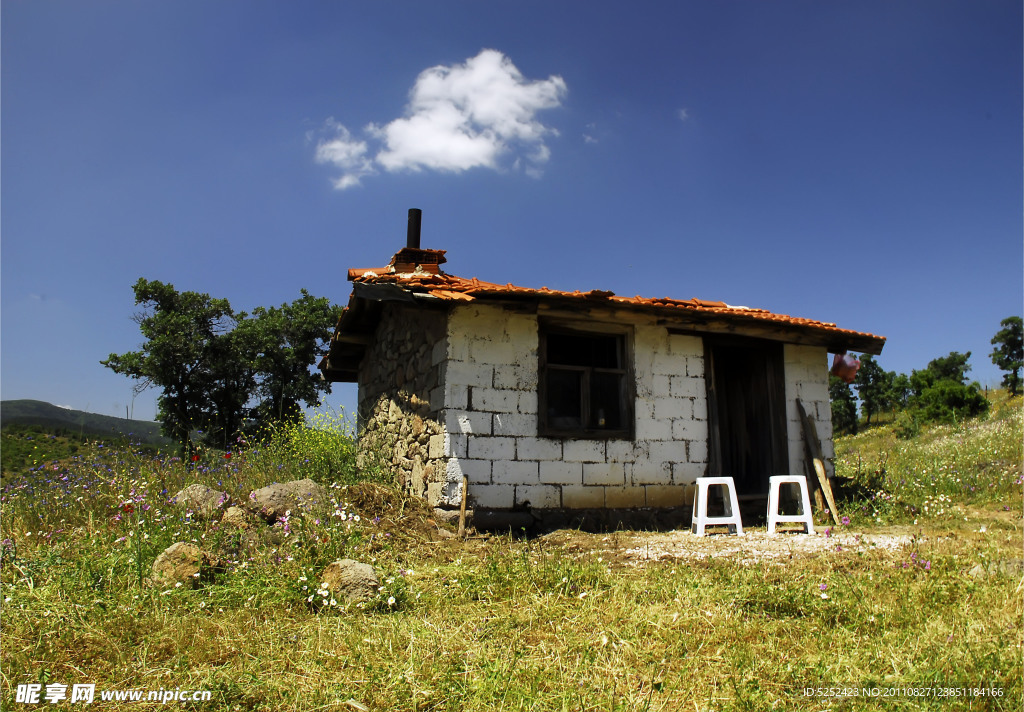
point(823, 586)
point(391, 600)
point(846, 521)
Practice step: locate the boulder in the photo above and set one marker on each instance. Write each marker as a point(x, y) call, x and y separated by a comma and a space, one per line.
point(202, 500)
point(299, 496)
point(350, 580)
point(186, 564)
point(236, 518)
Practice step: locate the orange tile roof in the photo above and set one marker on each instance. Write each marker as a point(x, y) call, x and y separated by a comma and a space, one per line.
point(452, 288)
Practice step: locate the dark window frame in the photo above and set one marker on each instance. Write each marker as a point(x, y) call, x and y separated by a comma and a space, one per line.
point(623, 338)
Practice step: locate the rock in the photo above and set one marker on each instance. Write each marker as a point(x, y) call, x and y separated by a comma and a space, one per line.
point(298, 496)
point(186, 564)
point(236, 518)
point(350, 580)
point(450, 516)
point(202, 500)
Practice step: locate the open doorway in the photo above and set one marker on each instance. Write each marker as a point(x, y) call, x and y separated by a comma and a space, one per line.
point(746, 412)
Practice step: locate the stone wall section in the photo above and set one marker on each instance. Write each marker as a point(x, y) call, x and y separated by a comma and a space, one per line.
point(488, 398)
point(402, 367)
point(807, 379)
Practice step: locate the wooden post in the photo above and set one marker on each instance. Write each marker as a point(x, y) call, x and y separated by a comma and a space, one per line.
point(462, 507)
point(814, 450)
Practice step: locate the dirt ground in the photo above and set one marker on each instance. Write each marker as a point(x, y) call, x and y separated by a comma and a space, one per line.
point(754, 546)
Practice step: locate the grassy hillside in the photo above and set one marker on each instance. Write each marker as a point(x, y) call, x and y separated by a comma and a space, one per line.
point(932, 620)
point(945, 469)
point(65, 420)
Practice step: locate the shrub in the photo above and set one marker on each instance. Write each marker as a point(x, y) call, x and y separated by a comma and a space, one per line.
point(322, 449)
point(906, 425)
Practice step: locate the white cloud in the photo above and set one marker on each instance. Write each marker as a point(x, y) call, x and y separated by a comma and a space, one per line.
point(470, 115)
point(345, 153)
point(683, 114)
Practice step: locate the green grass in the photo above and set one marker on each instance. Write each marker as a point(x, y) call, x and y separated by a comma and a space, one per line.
point(514, 623)
point(942, 472)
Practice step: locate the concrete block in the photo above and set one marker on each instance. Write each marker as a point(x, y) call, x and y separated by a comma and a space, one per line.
point(478, 471)
point(439, 352)
point(650, 473)
point(668, 451)
point(517, 377)
point(458, 343)
point(666, 496)
point(492, 448)
point(582, 497)
point(494, 350)
point(528, 402)
point(661, 385)
point(697, 451)
point(496, 400)
point(654, 429)
point(514, 424)
point(624, 497)
point(583, 450)
point(461, 421)
point(644, 409)
point(455, 396)
point(437, 446)
point(561, 473)
point(700, 408)
point(539, 496)
point(497, 496)
point(668, 364)
point(673, 408)
point(444, 494)
point(457, 444)
point(687, 387)
point(683, 429)
point(623, 450)
point(695, 366)
point(514, 472)
point(686, 473)
point(604, 473)
point(687, 345)
point(468, 373)
point(532, 448)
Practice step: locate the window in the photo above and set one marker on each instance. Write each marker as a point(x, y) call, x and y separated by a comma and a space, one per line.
point(585, 388)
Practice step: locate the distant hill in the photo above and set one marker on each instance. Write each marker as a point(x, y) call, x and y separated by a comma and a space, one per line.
point(47, 415)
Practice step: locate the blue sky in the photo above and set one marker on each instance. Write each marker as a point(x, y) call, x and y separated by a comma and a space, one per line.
point(855, 162)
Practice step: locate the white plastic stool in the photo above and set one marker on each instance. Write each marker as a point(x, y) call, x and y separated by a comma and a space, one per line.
point(775, 483)
point(700, 506)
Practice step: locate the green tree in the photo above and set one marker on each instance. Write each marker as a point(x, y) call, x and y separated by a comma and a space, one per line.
point(871, 384)
point(282, 343)
point(940, 392)
point(844, 406)
point(1009, 352)
point(212, 363)
point(898, 395)
point(184, 334)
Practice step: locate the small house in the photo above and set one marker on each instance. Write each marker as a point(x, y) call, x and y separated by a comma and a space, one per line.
point(557, 402)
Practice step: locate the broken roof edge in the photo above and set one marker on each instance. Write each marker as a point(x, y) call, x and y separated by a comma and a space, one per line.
point(451, 288)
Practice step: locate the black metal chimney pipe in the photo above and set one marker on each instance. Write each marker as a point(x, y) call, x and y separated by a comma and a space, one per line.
point(413, 235)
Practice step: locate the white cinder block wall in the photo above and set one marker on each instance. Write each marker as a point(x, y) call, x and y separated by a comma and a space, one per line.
point(489, 397)
point(807, 379)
